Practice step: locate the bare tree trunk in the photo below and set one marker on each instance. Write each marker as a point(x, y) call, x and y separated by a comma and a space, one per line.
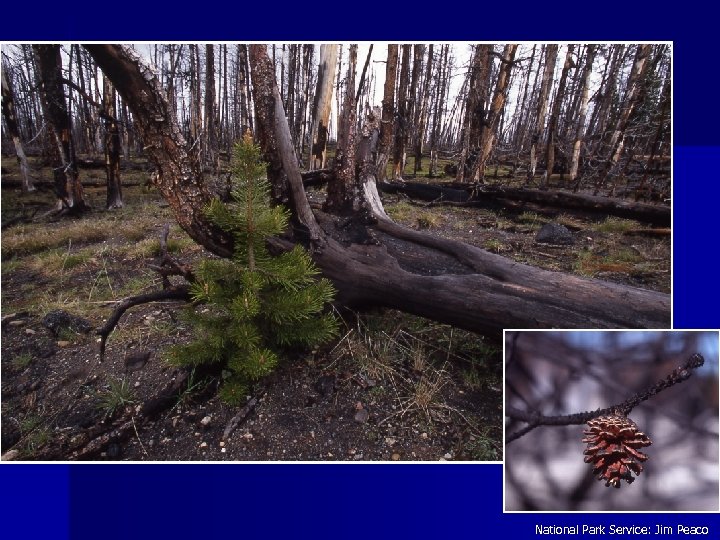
point(402, 117)
point(580, 130)
point(388, 112)
point(423, 111)
point(243, 100)
point(211, 154)
point(474, 111)
point(550, 59)
point(601, 112)
point(340, 193)
point(663, 128)
point(521, 126)
point(440, 83)
point(67, 183)
point(361, 84)
point(112, 147)
point(554, 115)
point(322, 106)
point(195, 101)
point(630, 98)
point(8, 111)
point(490, 126)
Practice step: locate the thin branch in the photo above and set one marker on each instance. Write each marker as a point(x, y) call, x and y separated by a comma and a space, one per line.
point(535, 419)
point(177, 292)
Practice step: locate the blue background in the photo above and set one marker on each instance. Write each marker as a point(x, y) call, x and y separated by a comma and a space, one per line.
point(368, 501)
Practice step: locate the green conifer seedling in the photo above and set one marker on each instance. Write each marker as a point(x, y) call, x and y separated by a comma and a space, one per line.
point(248, 308)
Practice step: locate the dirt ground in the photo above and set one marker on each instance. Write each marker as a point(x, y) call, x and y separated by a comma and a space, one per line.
point(392, 387)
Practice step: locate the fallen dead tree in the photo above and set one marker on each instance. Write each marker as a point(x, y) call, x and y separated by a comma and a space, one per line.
point(487, 195)
point(372, 260)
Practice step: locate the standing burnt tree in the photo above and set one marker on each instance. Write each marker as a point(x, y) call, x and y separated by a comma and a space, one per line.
point(68, 188)
point(8, 111)
point(388, 112)
point(321, 106)
point(371, 259)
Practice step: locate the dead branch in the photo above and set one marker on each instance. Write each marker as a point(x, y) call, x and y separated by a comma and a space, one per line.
point(535, 419)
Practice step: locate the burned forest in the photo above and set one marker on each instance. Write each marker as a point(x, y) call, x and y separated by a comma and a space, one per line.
point(311, 251)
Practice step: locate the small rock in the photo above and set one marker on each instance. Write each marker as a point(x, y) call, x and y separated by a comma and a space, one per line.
point(203, 444)
point(247, 436)
point(137, 384)
point(223, 450)
point(136, 361)
point(396, 457)
point(10, 455)
point(222, 443)
point(325, 385)
point(18, 322)
point(423, 435)
point(30, 331)
point(58, 320)
point(362, 416)
point(390, 441)
point(63, 344)
point(554, 234)
point(205, 421)
point(448, 456)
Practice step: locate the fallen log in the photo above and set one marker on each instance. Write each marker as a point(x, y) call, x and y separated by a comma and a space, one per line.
point(481, 195)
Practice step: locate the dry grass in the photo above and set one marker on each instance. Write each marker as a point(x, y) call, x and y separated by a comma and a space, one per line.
point(34, 238)
point(413, 359)
point(617, 225)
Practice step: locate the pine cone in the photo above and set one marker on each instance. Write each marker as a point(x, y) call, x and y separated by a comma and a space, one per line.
point(613, 443)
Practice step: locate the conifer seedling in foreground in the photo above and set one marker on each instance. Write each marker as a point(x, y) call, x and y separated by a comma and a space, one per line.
point(248, 308)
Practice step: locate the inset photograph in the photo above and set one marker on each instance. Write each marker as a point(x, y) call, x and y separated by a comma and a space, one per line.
point(611, 421)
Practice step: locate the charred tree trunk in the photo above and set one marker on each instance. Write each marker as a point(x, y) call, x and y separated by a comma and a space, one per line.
point(632, 91)
point(402, 116)
point(475, 290)
point(8, 111)
point(388, 112)
point(580, 130)
point(550, 59)
point(555, 115)
point(195, 102)
point(475, 115)
point(321, 106)
point(490, 126)
point(211, 140)
point(68, 188)
point(521, 126)
point(112, 147)
point(340, 196)
point(422, 111)
point(663, 129)
point(440, 84)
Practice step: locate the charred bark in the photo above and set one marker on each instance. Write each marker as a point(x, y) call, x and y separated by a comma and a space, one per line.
point(388, 112)
point(68, 188)
point(112, 148)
